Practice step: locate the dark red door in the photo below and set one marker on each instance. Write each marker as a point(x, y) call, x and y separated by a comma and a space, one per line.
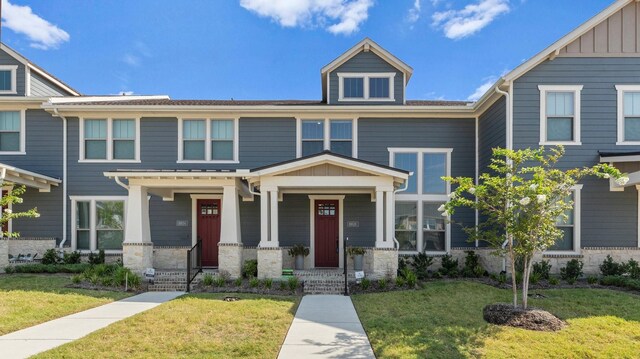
point(327, 233)
point(209, 230)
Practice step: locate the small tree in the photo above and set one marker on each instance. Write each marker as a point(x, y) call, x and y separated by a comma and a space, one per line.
point(523, 197)
point(11, 197)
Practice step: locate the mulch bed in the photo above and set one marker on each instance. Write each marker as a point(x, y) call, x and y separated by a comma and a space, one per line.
point(531, 318)
point(89, 286)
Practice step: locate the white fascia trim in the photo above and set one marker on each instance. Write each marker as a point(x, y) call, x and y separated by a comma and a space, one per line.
point(576, 90)
point(312, 220)
point(365, 79)
point(93, 238)
point(577, 215)
point(109, 139)
point(14, 83)
point(207, 140)
point(89, 99)
point(327, 133)
point(621, 89)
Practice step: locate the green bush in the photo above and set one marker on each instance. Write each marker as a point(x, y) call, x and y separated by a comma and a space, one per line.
point(420, 263)
point(292, 283)
point(254, 282)
point(207, 280)
point(410, 278)
point(9, 270)
point(611, 268)
point(534, 278)
point(268, 283)
point(50, 257)
point(71, 257)
point(218, 281)
point(250, 269)
point(620, 281)
point(365, 283)
point(400, 282)
point(519, 277)
point(449, 266)
point(50, 268)
point(76, 278)
point(472, 267)
point(283, 285)
point(402, 264)
point(592, 279)
point(382, 283)
point(543, 269)
point(96, 258)
point(633, 269)
point(572, 271)
point(237, 282)
point(554, 281)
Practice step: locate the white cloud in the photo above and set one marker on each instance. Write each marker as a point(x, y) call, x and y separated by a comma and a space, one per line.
point(130, 59)
point(336, 16)
point(414, 12)
point(458, 24)
point(42, 34)
point(475, 96)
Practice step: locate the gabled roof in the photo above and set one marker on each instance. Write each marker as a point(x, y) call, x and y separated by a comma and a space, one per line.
point(365, 45)
point(39, 70)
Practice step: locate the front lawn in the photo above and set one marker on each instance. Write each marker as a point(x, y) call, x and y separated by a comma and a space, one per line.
point(193, 326)
point(444, 320)
point(30, 299)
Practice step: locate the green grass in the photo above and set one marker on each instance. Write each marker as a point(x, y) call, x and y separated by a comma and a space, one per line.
point(194, 326)
point(444, 320)
point(30, 299)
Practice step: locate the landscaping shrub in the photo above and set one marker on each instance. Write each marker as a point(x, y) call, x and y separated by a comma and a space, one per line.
point(592, 279)
point(402, 264)
point(9, 270)
point(225, 275)
point(633, 269)
point(620, 281)
point(76, 278)
point(519, 277)
point(110, 275)
point(554, 281)
point(71, 257)
point(250, 269)
point(207, 280)
point(283, 285)
point(420, 263)
point(238, 282)
point(96, 258)
point(268, 283)
point(534, 278)
point(609, 267)
point(400, 282)
point(410, 278)
point(50, 268)
point(572, 271)
point(382, 283)
point(218, 281)
point(254, 282)
point(472, 267)
point(50, 257)
point(365, 284)
point(292, 283)
point(543, 269)
point(449, 266)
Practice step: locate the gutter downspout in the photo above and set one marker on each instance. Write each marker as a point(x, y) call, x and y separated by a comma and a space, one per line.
point(64, 177)
point(509, 143)
point(402, 189)
point(120, 183)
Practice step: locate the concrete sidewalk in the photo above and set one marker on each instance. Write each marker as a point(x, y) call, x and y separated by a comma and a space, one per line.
point(326, 326)
point(30, 341)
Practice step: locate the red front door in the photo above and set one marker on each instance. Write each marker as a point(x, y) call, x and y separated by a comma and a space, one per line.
point(209, 230)
point(327, 233)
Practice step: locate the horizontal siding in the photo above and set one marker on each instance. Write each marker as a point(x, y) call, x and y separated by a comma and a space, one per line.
point(491, 132)
point(44, 88)
point(365, 62)
point(608, 218)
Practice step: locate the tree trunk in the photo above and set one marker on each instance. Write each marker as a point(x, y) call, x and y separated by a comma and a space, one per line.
point(514, 285)
point(525, 282)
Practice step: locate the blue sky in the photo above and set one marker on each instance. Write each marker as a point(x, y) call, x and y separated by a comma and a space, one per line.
point(274, 49)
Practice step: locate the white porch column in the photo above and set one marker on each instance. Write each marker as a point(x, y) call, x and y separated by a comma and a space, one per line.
point(137, 249)
point(273, 198)
point(390, 204)
point(380, 234)
point(230, 231)
point(269, 251)
point(264, 217)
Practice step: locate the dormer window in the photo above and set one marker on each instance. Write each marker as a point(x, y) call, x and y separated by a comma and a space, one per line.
point(8, 79)
point(366, 86)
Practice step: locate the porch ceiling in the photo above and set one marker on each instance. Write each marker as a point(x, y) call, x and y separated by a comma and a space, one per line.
point(30, 179)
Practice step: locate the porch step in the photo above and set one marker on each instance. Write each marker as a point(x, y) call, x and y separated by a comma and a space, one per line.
point(323, 286)
point(166, 280)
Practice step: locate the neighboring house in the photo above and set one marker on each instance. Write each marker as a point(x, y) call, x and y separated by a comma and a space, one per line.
point(147, 176)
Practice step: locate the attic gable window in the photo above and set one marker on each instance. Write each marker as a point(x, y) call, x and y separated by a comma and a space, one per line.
point(8, 79)
point(365, 86)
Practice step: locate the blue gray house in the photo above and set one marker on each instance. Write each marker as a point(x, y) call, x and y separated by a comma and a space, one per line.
point(148, 177)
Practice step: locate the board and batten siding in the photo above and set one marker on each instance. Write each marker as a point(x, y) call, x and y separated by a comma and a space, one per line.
point(609, 219)
point(375, 136)
point(366, 62)
point(6, 59)
point(492, 126)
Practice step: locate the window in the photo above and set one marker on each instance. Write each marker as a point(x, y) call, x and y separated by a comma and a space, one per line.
point(8, 79)
point(366, 86)
point(570, 241)
point(12, 137)
point(628, 114)
point(417, 206)
point(208, 140)
point(560, 115)
point(99, 223)
point(336, 135)
point(109, 139)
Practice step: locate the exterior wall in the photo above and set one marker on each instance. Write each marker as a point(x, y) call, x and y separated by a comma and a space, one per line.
point(30, 246)
point(365, 62)
point(375, 136)
point(609, 219)
point(170, 257)
point(41, 87)
point(6, 59)
point(491, 132)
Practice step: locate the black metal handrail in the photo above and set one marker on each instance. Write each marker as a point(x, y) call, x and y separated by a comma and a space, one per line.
point(194, 262)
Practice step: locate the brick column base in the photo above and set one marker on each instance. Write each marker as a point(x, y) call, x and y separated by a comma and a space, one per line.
point(4, 254)
point(269, 262)
point(230, 259)
point(137, 256)
point(385, 263)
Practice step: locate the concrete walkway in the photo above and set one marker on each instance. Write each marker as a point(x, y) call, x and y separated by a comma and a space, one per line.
point(42, 337)
point(326, 326)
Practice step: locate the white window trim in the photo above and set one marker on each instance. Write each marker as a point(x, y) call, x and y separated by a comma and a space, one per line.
point(327, 133)
point(109, 140)
point(207, 140)
point(365, 91)
point(14, 82)
point(424, 198)
point(621, 89)
point(576, 90)
point(93, 238)
point(23, 134)
point(577, 203)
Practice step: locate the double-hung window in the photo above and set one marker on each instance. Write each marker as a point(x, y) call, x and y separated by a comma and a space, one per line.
point(628, 114)
point(208, 140)
point(570, 226)
point(376, 86)
point(8, 79)
point(109, 139)
point(335, 135)
point(560, 114)
point(12, 135)
point(419, 226)
point(99, 223)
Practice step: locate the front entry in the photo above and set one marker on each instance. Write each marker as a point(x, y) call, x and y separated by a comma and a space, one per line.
point(327, 233)
point(209, 230)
